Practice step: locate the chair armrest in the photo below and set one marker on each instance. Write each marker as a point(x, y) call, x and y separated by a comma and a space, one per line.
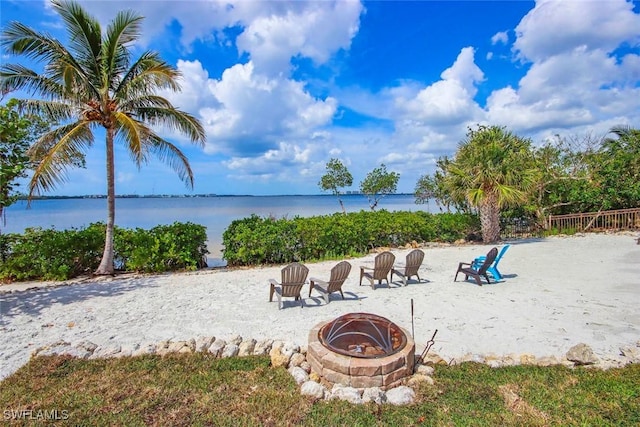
point(274, 282)
point(313, 280)
point(362, 267)
point(465, 263)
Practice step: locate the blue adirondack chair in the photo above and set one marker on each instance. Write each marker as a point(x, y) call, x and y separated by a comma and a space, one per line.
point(493, 268)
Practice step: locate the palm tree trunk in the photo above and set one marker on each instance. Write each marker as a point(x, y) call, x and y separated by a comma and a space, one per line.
point(106, 264)
point(490, 219)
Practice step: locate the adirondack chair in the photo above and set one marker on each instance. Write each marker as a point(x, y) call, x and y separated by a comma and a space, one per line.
point(467, 269)
point(339, 274)
point(493, 268)
point(383, 263)
point(411, 266)
point(294, 276)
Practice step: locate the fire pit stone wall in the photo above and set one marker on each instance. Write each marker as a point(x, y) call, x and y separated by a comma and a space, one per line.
point(384, 372)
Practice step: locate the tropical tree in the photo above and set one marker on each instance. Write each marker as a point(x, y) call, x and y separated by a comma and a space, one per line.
point(14, 142)
point(96, 82)
point(377, 184)
point(492, 169)
point(563, 175)
point(618, 169)
point(337, 177)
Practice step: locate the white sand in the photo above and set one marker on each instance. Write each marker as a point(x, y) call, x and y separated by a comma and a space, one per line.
point(557, 292)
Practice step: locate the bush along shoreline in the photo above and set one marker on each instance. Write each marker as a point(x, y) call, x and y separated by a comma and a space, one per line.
point(49, 254)
point(265, 240)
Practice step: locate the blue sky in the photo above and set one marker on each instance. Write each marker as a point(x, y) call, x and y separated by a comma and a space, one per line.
point(282, 87)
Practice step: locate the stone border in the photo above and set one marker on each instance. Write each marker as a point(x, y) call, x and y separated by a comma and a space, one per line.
point(293, 357)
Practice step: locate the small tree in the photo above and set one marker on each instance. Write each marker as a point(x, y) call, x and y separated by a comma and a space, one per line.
point(17, 131)
point(337, 177)
point(377, 184)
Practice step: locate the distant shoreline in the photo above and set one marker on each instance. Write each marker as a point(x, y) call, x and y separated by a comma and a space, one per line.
point(176, 196)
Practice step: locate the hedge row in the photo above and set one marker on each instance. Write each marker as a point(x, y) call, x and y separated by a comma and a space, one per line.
point(49, 254)
point(257, 240)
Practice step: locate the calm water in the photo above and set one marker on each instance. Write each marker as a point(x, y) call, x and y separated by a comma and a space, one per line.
point(216, 213)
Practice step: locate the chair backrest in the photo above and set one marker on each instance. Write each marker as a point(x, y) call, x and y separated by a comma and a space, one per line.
point(414, 261)
point(383, 263)
point(502, 251)
point(339, 273)
point(294, 274)
point(491, 256)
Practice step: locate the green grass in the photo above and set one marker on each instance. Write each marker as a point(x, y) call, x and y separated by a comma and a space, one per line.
point(198, 389)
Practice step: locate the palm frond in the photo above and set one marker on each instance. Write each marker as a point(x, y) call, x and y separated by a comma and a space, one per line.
point(134, 133)
point(124, 29)
point(52, 111)
point(145, 101)
point(173, 157)
point(146, 75)
point(85, 38)
point(18, 39)
point(55, 152)
point(174, 119)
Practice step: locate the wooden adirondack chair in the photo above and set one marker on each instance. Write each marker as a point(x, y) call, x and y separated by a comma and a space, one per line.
point(411, 266)
point(469, 271)
point(383, 263)
point(339, 274)
point(294, 276)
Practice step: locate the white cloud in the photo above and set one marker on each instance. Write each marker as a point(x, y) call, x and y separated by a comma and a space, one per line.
point(500, 37)
point(449, 100)
point(246, 112)
point(276, 164)
point(315, 32)
point(555, 27)
point(575, 81)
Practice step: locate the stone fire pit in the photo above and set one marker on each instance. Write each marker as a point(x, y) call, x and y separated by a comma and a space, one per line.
point(361, 350)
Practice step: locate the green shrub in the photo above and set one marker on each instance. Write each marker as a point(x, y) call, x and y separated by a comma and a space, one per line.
point(255, 240)
point(49, 254)
point(180, 246)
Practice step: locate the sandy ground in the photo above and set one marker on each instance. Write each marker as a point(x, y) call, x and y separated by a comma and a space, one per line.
point(557, 292)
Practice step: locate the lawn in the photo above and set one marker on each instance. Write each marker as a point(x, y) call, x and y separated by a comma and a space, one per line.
point(198, 389)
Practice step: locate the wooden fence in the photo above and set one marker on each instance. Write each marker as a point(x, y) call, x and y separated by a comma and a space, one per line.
point(621, 219)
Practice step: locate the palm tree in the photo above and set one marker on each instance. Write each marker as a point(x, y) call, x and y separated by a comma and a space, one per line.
point(94, 82)
point(492, 169)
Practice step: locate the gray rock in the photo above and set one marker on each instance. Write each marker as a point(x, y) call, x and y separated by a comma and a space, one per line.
point(289, 348)
point(374, 394)
point(402, 395)
point(87, 346)
point(298, 374)
point(230, 350)
point(425, 370)
point(236, 340)
point(262, 348)
point(313, 389)
point(145, 349)
point(127, 350)
point(350, 394)
point(104, 352)
point(203, 343)
point(162, 348)
point(217, 347)
point(182, 346)
point(306, 366)
point(632, 354)
point(246, 347)
point(297, 359)
point(581, 354)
